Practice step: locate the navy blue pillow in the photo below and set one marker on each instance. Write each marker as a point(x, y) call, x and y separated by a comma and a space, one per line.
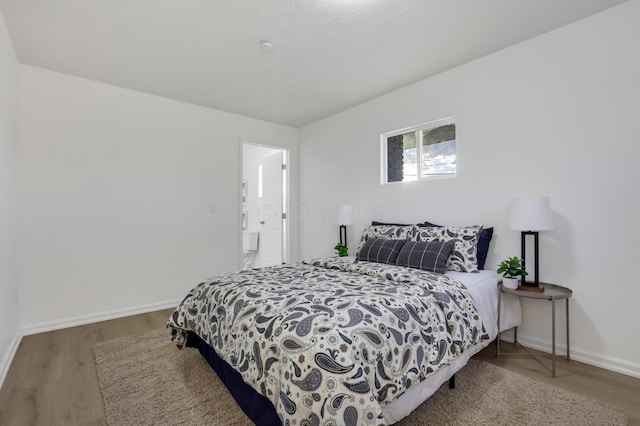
point(376, 223)
point(483, 242)
point(380, 250)
point(426, 255)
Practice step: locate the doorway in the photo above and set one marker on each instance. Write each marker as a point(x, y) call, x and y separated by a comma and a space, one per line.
point(264, 195)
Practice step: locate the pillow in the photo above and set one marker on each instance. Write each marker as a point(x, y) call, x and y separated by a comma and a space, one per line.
point(426, 255)
point(387, 232)
point(464, 256)
point(380, 250)
point(483, 243)
point(374, 223)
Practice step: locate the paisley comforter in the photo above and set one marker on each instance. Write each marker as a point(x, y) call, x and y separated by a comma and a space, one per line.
point(330, 341)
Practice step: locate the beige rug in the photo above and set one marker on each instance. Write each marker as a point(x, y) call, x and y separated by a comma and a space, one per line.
point(146, 380)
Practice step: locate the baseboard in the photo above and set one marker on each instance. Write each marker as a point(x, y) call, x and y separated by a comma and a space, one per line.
point(8, 356)
point(104, 316)
point(588, 357)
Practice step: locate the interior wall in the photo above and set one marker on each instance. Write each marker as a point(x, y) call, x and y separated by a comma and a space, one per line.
point(9, 312)
point(126, 200)
point(556, 115)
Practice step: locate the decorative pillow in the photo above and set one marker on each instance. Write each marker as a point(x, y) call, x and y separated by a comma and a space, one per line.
point(388, 232)
point(380, 250)
point(426, 255)
point(464, 256)
point(483, 243)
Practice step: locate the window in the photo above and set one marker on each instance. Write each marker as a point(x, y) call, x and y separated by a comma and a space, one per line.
point(419, 152)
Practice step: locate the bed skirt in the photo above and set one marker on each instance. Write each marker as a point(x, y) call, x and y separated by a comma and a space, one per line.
point(257, 407)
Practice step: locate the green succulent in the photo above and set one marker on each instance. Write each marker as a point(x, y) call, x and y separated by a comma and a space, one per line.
point(512, 267)
point(342, 250)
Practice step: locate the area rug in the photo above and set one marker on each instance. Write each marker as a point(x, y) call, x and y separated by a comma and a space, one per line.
point(145, 380)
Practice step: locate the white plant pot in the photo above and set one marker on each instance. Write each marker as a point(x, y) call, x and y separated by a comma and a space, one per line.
point(511, 283)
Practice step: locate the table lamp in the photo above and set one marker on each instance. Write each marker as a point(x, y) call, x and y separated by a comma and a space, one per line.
point(530, 215)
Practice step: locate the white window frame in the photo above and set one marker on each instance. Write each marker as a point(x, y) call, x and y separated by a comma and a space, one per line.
point(418, 130)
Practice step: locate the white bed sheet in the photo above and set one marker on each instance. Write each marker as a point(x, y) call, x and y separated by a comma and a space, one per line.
point(483, 287)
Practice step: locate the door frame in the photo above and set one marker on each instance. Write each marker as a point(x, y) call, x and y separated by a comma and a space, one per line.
point(286, 194)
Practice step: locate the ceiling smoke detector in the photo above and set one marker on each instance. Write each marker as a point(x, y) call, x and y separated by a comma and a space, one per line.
point(266, 46)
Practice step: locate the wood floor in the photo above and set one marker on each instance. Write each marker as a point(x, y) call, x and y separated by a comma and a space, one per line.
point(615, 389)
point(52, 380)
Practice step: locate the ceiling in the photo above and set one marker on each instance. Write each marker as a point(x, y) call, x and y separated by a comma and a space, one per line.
point(328, 55)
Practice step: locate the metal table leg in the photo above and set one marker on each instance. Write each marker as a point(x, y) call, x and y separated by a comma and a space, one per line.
point(553, 338)
point(498, 338)
point(567, 310)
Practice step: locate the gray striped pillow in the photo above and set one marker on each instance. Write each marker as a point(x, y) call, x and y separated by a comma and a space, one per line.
point(426, 255)
point(380, 250)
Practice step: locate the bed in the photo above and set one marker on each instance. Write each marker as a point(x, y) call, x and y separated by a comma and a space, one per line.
point(351, 341)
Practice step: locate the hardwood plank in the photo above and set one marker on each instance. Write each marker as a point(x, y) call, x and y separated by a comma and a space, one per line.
point(53, 378)
point(80, 381)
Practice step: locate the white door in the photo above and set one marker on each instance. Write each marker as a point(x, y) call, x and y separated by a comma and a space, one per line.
point(270, 250)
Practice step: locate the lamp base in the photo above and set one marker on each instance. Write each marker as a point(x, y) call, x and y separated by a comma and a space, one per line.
point(343, 235)
point(532, 287)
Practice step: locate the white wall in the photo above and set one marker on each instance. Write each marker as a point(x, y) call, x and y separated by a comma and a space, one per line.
point(9, 313)
point(115, 195)
point(556, 115)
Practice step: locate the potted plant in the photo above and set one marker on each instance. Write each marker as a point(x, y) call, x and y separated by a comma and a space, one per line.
point(342, 250)
point(511, 270)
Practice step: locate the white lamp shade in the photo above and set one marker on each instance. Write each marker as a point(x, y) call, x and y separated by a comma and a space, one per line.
point(345, 214)
point(530, 214)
